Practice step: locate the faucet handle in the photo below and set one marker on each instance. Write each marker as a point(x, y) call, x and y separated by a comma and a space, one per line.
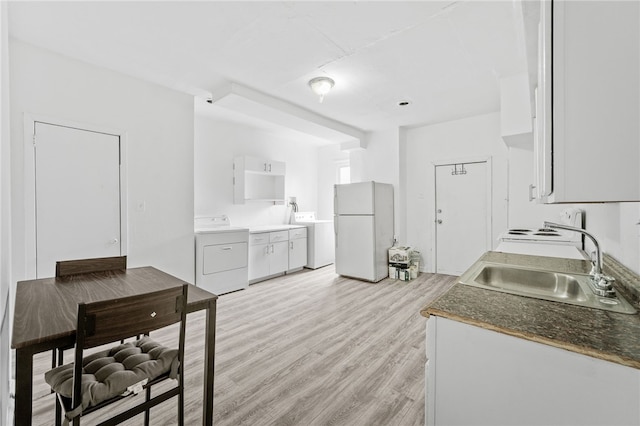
point(603, 285)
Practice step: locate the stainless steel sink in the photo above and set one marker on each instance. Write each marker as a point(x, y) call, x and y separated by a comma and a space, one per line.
point(541, 284)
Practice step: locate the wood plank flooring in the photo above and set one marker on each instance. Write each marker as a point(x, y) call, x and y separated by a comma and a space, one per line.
point(309, 348)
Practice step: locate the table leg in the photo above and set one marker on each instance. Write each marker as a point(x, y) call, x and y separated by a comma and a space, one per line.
point(209, 360)
point(24, 387)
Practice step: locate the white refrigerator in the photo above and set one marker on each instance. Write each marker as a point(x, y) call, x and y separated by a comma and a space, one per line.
point(363, 223)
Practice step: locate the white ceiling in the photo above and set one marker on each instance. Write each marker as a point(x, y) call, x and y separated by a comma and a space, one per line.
point(444, 57)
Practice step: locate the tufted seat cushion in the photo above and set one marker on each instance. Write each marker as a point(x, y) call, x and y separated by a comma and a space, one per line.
point(108, 373)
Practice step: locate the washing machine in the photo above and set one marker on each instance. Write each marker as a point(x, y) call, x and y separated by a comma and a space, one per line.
point(221, 255)
point(320, 239)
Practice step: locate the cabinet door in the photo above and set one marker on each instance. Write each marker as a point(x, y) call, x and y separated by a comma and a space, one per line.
point(594, 106)
point(480, 374)
point(297, 253)
point(276, 167)
point(258, 261)
point(279, 257)
point(256, 164)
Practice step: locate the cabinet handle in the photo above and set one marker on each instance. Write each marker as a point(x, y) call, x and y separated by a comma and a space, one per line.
point(265, 167)
point(291, 245)
point(271, 248)
point(269, 166)
point(227, 248)
point(531, 188)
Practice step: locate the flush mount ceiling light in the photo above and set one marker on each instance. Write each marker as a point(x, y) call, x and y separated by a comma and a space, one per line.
point(321, 86)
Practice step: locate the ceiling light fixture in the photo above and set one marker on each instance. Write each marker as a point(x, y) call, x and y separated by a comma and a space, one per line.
point(321, 86)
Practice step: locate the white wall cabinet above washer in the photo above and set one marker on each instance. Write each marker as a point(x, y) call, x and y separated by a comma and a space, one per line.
point(258, 179)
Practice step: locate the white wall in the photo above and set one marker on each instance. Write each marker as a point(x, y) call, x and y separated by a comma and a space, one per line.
point(216, 143)
point(5, 219)
point(330, 157)
point(474, 137)
point(159, 126)
point(380, 162)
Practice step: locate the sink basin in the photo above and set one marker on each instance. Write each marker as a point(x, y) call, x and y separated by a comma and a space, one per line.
point(541, 284)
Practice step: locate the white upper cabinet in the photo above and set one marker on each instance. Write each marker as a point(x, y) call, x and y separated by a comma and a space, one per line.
point(262, 165)
point(587, 146)
point(258, 179)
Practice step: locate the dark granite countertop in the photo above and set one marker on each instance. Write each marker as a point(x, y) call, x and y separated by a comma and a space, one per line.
point(601, 334)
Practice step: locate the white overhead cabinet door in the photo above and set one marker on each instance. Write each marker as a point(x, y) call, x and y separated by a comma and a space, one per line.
point(77, 187)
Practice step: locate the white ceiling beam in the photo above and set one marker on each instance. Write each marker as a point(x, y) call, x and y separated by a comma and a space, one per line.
point(260, 105)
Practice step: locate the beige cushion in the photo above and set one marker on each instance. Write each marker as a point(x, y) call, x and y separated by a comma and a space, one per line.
point(108, 373)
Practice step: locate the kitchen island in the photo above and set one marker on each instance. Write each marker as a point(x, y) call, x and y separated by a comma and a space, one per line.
point(497, 358)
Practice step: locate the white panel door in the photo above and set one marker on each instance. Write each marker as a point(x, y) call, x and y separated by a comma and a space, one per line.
point(77, 187)
point(462, 214)
point(355, 247)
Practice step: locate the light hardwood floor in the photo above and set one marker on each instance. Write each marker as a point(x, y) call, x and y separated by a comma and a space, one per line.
point(309, 348)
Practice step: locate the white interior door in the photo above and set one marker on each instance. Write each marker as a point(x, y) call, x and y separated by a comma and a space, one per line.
point(462, 216)
point(77, 195)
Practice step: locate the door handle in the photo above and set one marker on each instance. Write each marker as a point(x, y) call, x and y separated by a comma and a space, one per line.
point(114, 241)
point(439, 221)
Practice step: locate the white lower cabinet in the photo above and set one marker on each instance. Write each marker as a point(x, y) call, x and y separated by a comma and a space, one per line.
point(297, 248)
point(268, 254)
point(475, 376)
point(273, 253)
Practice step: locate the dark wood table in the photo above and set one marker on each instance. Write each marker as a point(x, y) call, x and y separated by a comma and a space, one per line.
point(45, 319)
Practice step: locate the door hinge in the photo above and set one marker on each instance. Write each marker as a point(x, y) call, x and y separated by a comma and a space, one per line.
point(34, 139)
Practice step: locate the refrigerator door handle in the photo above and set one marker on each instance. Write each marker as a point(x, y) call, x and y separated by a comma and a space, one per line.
point(335, 229)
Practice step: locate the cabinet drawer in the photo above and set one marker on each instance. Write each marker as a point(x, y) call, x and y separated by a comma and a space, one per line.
point(211, 238)
point(224, 257)
point(257, 239)
point(274, 237)
point(297, 233)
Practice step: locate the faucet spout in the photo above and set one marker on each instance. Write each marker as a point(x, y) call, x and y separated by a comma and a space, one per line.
point(600, 283)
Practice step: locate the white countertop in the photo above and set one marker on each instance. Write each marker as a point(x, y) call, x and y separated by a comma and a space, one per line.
point(270, 228)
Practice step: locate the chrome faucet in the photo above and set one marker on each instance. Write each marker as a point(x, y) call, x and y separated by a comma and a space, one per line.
point(600, 283)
